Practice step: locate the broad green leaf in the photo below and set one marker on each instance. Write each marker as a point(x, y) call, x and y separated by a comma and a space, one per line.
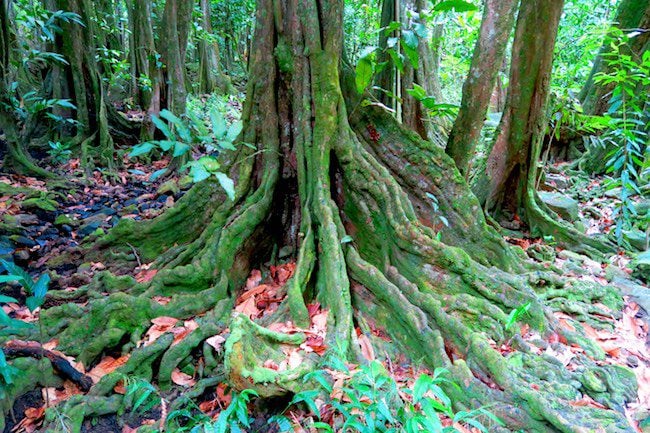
point(226, 145)
point(7, 278)
point(363, 74)
point(166, 145)
point(182, 130)
point(410, 39)
point(417, 92)
point(13, 269)
point(219, 127)
point(162, 125)
point(141, 149)
point(7, 299)
point(234, 131)
point(180, 149)
point(156, 174)
point(227, 184)
point(199, 173)
point(455, 5)
point(412, 55)
point(41, 286)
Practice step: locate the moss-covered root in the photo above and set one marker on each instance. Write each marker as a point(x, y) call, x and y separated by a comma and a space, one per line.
point(528, 391)
point(251, 348)
point(69, 416)
point(32, 373)
point(540, 221)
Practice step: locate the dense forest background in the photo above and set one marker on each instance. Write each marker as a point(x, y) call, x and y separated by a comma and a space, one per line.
point(324, 215)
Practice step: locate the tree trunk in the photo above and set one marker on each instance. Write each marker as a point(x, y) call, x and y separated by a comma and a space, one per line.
point(498, 17)
point(414, 114)
point(175, 28)
point(630, 15)
point(211, 75)
point(86, 87)
point(315, 179)
point(508, 185)
point(17, 156)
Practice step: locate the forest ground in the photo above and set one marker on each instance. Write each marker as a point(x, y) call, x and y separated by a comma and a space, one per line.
point(40, 222)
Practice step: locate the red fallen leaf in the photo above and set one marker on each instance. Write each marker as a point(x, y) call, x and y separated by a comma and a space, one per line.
point(183, 379)
point(366, 347)
point(119, 388)
point(253, 292)
point(146, 275)
point(282, 273)
point(534, 386)
point(162, 300)
point(127, 429)
point(164, 322)
point(107, 365)
point(313, 309)
point(587, 401)
point(248, 307)
point(314, 343)
point(223, 396)
point(209, 406)
point(216, 341)
point(254, 279)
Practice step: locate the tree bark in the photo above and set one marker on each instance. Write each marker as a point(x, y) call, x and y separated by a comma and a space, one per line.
point(414, 114)
point(85, 85)
point(489, 52)
point(507, 187)
point(175, 28)
point(211, 77)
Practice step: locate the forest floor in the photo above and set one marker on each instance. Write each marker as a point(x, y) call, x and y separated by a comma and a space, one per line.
point(38, 223)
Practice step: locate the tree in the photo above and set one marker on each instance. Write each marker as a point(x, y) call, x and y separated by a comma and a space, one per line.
point(508, 186)
point(488, 57)
point(211, 76)
point(631, 16)
point(383, 228)
point(175, 28)
point(85, 86)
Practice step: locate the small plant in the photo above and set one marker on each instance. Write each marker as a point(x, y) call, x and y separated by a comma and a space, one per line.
point(141, 396)
point(371, 401)
point(59, 152)
point(628, 133)
point(235, 418)
point(516, 315)
point(183, 135)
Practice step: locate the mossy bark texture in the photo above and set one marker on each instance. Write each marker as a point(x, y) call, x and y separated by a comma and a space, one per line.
point(317, 176)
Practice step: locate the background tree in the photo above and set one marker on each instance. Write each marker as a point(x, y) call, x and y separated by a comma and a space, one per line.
point(631, 16)
point(488, 57)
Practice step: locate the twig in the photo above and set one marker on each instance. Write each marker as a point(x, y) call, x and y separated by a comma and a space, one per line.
point(135, 253)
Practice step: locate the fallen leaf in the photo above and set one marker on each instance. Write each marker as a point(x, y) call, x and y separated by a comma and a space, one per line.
point(183, 379)
point(216, 341)
point(366, 347)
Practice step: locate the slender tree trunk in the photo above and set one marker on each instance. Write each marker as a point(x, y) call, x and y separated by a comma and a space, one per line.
point(175, 28)
point(631, 15)
point(414, 114)
point(211, 76)
point(498, 18)
point(507, 187)
point(86, 86)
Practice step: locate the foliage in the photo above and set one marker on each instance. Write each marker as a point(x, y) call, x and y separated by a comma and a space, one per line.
point(193, 132)
point(628, 133)
point(141, 396)
point(370, 400)
point(59, 152)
